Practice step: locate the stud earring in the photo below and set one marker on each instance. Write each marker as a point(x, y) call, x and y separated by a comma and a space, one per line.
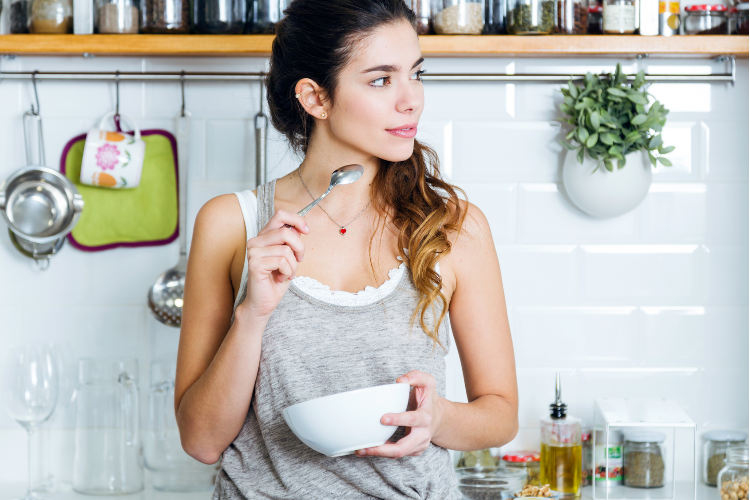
point(323, 115)
point(297, 95)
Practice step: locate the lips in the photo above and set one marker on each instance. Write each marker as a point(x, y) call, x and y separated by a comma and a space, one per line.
point(406, 131)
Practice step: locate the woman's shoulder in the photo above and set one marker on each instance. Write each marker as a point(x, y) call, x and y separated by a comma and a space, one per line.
point(470, 241)
point(221, 225)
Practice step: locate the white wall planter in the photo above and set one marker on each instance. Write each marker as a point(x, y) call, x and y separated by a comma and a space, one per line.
point(605, 193)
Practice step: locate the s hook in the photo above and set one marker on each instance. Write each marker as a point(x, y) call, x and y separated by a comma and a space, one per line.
point(36, 110)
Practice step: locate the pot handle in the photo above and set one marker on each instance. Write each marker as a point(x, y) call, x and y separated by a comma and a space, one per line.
point(111, 114)
point(130, 408)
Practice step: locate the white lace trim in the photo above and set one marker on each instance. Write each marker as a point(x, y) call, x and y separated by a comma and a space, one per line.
point(368, 296)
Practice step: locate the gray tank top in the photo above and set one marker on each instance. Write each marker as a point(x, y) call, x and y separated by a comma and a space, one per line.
point(311, 349)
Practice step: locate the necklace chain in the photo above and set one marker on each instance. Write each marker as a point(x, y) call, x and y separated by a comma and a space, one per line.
point(342, 228)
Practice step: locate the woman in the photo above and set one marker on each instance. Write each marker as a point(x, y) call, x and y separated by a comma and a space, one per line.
point(400, 250)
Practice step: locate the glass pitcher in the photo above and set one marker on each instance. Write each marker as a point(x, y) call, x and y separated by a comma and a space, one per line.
point(171, 468)
point(108, 457)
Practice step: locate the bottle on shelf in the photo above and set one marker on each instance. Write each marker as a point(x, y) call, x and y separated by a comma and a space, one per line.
point(560, 461)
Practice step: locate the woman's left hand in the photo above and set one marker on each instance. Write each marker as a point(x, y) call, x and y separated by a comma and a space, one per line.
point(421, 424)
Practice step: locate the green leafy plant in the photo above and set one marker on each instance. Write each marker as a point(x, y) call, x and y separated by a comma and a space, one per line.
point(611, 118)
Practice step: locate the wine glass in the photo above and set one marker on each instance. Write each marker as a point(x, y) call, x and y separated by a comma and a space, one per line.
point(30, 390)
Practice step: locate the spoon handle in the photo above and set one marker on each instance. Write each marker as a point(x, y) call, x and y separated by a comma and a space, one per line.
point(309, 207)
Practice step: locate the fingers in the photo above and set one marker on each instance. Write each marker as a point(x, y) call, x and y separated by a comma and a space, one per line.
point(279, 237)
point(266, 260)
point(417, 378)
point(282, 217)
point(411, 445)
point(407, 419)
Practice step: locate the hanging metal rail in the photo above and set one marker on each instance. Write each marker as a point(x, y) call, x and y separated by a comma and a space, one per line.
point(428, 77)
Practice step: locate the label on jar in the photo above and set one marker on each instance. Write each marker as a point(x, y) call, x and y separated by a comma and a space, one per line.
point(619, 18)
point(613, 459)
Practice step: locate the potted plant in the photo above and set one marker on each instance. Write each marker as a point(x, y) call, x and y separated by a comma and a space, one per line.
point(612, 125)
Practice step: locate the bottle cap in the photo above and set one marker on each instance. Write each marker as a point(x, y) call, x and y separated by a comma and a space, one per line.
point(705, 8)
point(522, 456)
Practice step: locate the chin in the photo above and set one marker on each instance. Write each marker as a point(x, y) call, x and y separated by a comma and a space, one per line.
point(397, 154)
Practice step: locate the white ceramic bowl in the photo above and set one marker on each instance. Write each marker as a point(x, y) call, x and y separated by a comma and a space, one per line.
point(342, 423)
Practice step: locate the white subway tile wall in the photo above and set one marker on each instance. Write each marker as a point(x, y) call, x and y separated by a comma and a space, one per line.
point(653, 303)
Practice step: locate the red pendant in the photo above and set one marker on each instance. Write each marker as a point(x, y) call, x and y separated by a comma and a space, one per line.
point(342, 231)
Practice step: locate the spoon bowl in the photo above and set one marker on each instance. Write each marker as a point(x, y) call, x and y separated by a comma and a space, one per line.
point(344, 175)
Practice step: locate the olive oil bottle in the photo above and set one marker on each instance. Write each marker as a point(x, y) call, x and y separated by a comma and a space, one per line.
point(560, 462)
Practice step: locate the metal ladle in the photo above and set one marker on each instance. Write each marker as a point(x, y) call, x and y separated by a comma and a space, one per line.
point(340, 176)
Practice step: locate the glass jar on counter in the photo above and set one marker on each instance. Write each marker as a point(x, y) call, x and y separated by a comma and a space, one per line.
point(51, 16)
point(706, 20)
point(595, 20)
point(571, 17)
point(733, 478)
point(423, 10)
point(117, 16)
point(20, 14)
point(608, 471)
point(165, 16)
point(587, 457)
point(525, 460)
point(219, 17)
point(494, 17)
point(644, 459)
point(530, 17)
point(479, 458)
point(479, 483)
point(715, 452)
point(618, 17)
point(459, 17)
point(738, 19)
point(264, 14)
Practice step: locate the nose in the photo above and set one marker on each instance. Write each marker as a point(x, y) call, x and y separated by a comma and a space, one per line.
point(410, 98)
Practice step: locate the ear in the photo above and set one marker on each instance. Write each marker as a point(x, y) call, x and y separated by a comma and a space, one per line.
point(312, 98)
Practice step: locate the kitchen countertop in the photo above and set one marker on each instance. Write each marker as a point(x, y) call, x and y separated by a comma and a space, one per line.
point(684, 492)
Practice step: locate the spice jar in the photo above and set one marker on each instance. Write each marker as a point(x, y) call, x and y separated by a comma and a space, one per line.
point(51, 16)
point(494, 17)
point(165, 16)
point(715, 451)
point(571, 16)
point(480, 458)
point(459, 17)
point(221, 17)
point(117, 16)
point(669, 17)
point(423, 10)
point(264, 14)
point(20, 12)
point(525, 460)
point(605, 457)
point(644, 459)
point(587, 457)
point(738, 19)
point(619, 17)
point(733, 478)
point(706, 20)
point(595, 20)
point(530, 17)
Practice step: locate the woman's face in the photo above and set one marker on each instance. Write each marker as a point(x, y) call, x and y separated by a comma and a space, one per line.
point(379, 97)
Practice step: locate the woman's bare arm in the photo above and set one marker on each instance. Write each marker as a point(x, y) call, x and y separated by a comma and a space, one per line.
point(479, 321)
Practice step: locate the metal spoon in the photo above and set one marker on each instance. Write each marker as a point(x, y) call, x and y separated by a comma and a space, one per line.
point(340, 176)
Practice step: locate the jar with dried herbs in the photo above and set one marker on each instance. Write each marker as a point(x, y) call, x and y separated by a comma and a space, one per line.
point(644, 459)
point(117, 16)
point(459, 17)
point(571, 17)
point(531, 17)
point(165, 16)
point(715, 452)
point(20, 12)
point(51, 16)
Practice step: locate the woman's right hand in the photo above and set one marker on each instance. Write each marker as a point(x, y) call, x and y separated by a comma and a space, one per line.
point(272, 259)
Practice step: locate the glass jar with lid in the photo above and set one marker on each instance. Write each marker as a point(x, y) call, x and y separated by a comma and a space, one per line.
point(618, 17)
point(587, 457)
point(423, 10)
point(608, 471)
point(571, 17)
point(264, 14)
point(644, 464)
point(706, 20)
point(165, 16)
point(478, 483)
point(530, 17)
point(733, 478)
point(738, 19)
point(51, 16)
point(494, 17)
point(479, 458)
point(117, 16)
point(20, 14)
point(595, 20)
point(525, 460)
point(220, 17)
point(459, 17)
point(715, 452)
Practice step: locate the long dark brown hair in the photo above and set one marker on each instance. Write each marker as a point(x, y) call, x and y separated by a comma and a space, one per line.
point(316, 40)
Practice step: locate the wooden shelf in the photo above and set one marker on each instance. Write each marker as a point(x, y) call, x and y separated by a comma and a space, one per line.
point(432, 45)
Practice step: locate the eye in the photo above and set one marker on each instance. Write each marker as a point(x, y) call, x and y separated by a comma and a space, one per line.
point(375, 83)
point(419, 74)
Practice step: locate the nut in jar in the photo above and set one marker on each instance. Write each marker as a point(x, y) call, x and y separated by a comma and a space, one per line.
point(735, 490)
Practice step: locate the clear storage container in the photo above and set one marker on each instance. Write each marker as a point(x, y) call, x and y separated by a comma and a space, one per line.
point(459, 17)
point(264, 14)
point(525, 460)
point(488, 483)
point(733, 478)
point(423, 10)
point(644, 464)
point(117, 16)
point(165, 16)
point(738, 19)
point(595, 20)
point(219, 16)
point(706, 20)
point(19, 14)
point(51, 16)
point(571, 17)
point(587, 457)
point(715, 452)
point(619, 17)
point(530, 17)
point(494, 17)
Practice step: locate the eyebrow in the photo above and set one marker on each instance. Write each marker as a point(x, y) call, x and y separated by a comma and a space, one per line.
point(391, 68)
